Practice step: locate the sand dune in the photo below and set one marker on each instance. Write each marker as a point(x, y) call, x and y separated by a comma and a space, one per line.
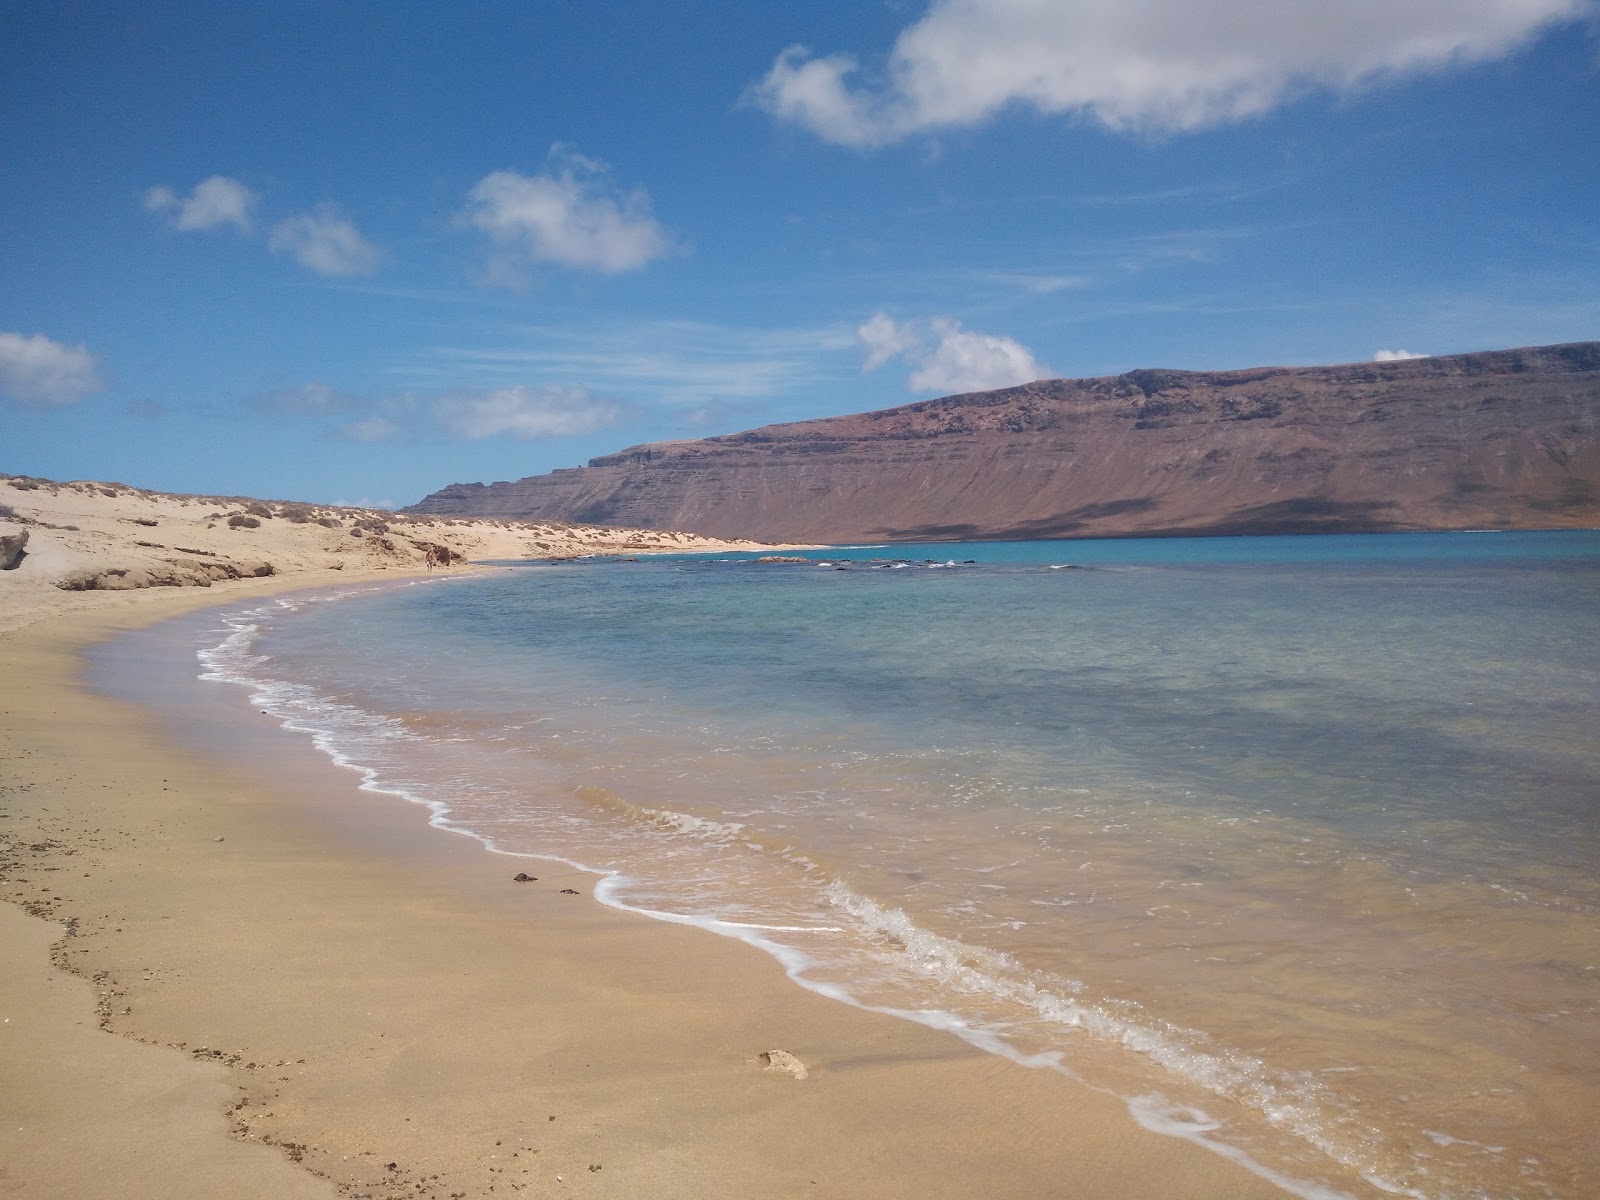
point(59, 541)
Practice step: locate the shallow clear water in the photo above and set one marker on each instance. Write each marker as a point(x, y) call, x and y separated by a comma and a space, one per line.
point(1290, 842)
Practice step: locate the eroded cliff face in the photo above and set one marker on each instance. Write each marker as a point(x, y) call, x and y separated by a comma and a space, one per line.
point(1507, 439)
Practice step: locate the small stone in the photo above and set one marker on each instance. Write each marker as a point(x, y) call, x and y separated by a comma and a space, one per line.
point(569, 891)
point(524, 877)
point(782, 1060)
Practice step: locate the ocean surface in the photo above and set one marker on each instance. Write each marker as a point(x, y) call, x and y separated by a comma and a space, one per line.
point(1291, 843)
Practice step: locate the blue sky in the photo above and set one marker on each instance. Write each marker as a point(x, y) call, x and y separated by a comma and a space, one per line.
point(354, 252)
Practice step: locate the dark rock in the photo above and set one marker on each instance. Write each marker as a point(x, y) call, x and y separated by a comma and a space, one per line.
point(524, 877)
point(570, 892)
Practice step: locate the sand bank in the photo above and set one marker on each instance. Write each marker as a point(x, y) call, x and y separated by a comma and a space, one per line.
point(278, 985)
point(64, 545)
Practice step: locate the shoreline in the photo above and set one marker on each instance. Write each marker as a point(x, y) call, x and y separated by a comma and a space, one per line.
point(403, 1001)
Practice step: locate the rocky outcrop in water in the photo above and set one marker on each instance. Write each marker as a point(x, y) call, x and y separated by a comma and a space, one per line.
point(1503, 439)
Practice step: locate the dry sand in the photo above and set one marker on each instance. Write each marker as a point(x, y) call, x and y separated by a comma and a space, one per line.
point(83, 539)
point(233, 974)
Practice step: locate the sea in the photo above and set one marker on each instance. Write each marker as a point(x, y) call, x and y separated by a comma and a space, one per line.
point(1293, 844)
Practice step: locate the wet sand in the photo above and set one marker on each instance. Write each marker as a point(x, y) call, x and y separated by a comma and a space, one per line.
point(282, 986)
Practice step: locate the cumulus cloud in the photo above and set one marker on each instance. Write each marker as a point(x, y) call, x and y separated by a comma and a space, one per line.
point(945, 358)
point(1395, 355)
point(325, 242)
point(214, 202)
point(525, 412)
point(37, 371)
point(1158, 65)
point(884, 338)
point(571, 216)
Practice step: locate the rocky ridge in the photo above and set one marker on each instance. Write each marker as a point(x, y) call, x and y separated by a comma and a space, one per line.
point(1501, 439)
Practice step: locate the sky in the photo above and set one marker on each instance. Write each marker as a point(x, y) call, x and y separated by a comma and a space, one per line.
point(352, 252)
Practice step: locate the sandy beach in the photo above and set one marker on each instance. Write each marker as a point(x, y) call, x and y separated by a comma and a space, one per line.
point(232, 973)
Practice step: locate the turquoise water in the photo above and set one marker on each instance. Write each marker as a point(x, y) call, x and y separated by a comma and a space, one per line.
point(1290, 842)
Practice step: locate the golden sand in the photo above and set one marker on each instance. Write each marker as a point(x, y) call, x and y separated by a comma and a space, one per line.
point(245, 977)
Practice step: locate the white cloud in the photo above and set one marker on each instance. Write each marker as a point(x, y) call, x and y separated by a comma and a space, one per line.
point(884, 338)
point(1395, 355)
point(214, 202)
point(325, 242)
point(37, 371)
point(1164, 65)
point(525, 412)
point(570, 215)
point(946, 358)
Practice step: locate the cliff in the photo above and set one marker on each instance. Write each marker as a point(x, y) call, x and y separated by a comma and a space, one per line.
point(1504, 439)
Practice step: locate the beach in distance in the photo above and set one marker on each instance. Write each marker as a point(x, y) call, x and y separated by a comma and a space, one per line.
point(1207, 867)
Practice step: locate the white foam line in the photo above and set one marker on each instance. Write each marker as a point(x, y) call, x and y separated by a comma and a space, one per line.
point(794, 962)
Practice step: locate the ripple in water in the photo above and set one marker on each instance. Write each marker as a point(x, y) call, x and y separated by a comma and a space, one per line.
point(1295, 855)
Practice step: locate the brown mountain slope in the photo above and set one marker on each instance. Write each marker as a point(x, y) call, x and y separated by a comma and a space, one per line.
point(1506, 439)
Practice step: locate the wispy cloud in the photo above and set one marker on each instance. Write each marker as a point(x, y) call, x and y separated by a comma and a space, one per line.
point(1092, 271)
point(944, 357)
point(41, 373)
point(1395, 355)
point(678, 364)
point(325, 242)
point(571, 215)
point(314, 399)
point(213, 203)
point(1224, 192)
point(522, 412)
point(371, 429)
point(526, 413)
point(1033, 283)
point(1139, 65)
